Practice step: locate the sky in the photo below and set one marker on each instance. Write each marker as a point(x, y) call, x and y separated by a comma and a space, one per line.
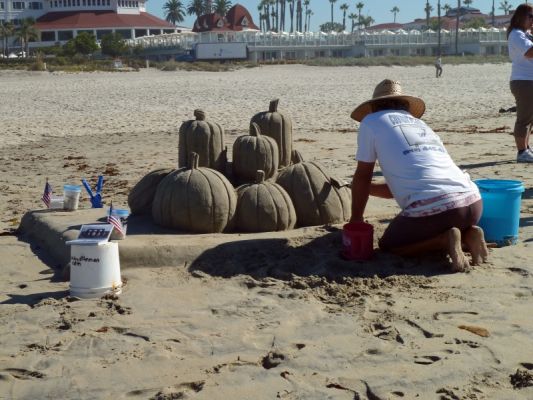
point(377, 9)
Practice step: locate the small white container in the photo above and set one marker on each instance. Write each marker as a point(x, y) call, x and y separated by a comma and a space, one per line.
point(71, 194)
point(56, 203)
point(94, 270)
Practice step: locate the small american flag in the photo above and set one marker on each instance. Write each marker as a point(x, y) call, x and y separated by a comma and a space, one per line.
point(47, 194)
point(115, 221)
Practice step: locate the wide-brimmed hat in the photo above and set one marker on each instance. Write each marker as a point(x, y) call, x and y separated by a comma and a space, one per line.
point(388, 89)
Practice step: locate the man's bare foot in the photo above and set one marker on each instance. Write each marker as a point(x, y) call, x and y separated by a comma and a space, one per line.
point(474, 240)
point(455, 251)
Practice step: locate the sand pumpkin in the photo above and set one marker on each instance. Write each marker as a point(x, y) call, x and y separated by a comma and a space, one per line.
point(204, 138)
point(142, 194)
point(263, 206)
point(252, 153)
point(278, 126)
point(318, 197)
point(195, 199)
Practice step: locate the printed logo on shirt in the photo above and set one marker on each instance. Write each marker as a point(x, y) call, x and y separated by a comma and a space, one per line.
point(419, 135)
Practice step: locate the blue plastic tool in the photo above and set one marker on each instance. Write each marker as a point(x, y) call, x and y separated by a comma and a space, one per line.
point(96, 197)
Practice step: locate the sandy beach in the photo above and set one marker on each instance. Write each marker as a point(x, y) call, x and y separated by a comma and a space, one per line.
point(294, 321)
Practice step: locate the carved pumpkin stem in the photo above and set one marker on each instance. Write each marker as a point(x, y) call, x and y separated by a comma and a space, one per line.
point(199, 114)
point(273, 106)
point(296, 157)
point(259, 176)
point(194, 159)
point(255, 130)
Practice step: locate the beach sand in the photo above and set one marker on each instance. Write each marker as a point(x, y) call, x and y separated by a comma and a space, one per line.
point(293, 321)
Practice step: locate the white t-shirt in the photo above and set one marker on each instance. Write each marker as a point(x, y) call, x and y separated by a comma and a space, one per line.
point(522, 67)
point(412, 158)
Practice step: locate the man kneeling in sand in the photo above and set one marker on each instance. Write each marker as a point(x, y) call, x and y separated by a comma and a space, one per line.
point(440, 204)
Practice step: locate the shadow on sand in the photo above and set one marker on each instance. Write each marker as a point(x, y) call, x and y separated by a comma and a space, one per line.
point(283, 259)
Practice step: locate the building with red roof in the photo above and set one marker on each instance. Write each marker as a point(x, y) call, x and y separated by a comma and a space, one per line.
point(237, 19)
point(61, 20)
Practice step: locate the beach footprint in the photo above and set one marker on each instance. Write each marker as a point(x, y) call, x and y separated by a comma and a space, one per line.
point(179, 391)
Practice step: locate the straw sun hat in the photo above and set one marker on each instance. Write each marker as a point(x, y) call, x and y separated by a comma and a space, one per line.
point(388, 89)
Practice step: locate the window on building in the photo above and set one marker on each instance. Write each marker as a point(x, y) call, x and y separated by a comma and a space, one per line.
point(98, 2)
point(16, 21)
point(19, 5)
point(108, 3)
point(1, 5)
point(35, 5)
point(48, 36)
point(64, 35)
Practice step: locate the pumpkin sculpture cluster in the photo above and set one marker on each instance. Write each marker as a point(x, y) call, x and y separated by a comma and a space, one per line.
point(275, 188)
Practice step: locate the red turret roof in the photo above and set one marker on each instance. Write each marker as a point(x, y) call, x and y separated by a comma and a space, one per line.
point(237, 19)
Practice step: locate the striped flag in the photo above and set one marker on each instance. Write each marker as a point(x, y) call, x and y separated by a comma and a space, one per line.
point(47, 194)
point(115, 221)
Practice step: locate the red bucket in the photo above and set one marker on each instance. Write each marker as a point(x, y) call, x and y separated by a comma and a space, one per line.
point(358, 241)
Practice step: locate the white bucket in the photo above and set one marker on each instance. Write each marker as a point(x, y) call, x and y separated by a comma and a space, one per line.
point(94, 270)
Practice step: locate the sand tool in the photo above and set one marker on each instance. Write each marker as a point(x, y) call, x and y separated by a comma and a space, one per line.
point(96, 196)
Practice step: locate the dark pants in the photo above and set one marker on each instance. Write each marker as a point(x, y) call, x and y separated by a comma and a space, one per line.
point(403, 231)
point(439, 71)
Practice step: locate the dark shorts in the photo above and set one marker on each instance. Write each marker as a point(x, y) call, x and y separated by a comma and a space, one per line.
point(403, 231)
point(523, 94)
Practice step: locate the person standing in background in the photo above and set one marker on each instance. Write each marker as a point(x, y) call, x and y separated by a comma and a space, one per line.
point(438, 66)
point(520, 43)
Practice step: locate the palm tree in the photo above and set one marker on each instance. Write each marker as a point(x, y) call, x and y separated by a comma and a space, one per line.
point(273, 15)
point(467, 2)
point(282, 14)
point(306, 4)
point(438, 26)
point(395, 10)
point(359, 7)
point(259, 10)
point(222, 7)
point(173, 11)
point(505, 6)
point(26, 32)
point(353, 17)
point(291, 13)
point(428, 8)
point(332, 2)
point(457, 27)
point(344, 8)
point(493, 14)
point(367, 21)
point(446, 7)
point(6, 31)
point(196, 7)
point(299, 15)
point(308, 14)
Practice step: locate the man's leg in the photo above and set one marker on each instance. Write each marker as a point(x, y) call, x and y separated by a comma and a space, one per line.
point(449, 241)
point(474, 241)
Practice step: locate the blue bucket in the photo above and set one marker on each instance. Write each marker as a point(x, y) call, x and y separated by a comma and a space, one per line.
point(501, 210)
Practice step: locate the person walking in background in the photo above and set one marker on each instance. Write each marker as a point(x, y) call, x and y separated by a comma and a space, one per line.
point(438, 67)
point(520, 46)
point(440, 204)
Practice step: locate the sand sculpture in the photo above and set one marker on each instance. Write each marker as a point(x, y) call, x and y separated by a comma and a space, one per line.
point(204, 138)
point(266, 187)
